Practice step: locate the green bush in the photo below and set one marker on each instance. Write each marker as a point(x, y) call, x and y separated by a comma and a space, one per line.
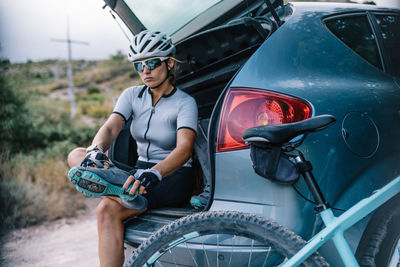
point(93, 90)
point(99, 111)
point(119, 56)
point(35, 125)
point(94, 98)
point(133, 74)
point(82, 135)
point(15, 122)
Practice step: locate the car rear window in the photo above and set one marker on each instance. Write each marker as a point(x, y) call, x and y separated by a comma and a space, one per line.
point(168, 16)
point(390, 30)
point(355, 31)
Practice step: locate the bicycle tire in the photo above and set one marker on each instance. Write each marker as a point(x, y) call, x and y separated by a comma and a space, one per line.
point(381, 238)
point(263, 235)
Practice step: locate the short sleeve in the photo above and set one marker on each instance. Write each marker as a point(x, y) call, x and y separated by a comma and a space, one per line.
point(124, 104)
point(187, 114)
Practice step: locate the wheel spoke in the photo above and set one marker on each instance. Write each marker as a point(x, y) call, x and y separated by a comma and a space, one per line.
point(205, 253)
point(217, 250)
point(233, 243)
point(190, 252)
point(251, 252)
point(266, 256)
point(173, 256)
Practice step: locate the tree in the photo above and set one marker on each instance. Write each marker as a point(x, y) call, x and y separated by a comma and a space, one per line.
point(14, 123)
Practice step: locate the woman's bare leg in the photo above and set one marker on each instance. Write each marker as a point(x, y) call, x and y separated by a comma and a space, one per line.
point(76, 156)
point(110, 215)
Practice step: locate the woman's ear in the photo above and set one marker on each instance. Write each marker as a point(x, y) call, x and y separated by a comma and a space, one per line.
point(170, 63)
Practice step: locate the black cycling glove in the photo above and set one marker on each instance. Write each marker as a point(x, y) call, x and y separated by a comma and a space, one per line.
point(148, 178)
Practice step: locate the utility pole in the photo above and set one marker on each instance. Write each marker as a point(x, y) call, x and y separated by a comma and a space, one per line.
point(69, 68)
point(57, 70)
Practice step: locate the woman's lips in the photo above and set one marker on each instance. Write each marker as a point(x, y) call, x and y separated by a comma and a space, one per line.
point(147, 79)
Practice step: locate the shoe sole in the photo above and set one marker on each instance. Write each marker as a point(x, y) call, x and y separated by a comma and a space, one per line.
point(92, 185)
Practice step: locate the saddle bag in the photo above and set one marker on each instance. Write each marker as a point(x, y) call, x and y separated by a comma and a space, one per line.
point(273, 164)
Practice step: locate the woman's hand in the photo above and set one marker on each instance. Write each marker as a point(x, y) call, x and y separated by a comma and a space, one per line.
point(149, 178)
point(144, 180)
point(136, 185)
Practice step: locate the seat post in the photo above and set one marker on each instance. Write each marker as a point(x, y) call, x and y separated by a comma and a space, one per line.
point(305, 169)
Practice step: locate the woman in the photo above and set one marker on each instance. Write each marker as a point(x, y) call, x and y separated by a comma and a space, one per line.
point(164, 127)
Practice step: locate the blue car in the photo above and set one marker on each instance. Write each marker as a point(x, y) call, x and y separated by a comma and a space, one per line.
point(250, 63)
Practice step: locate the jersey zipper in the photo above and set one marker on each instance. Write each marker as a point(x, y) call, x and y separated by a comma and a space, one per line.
point(153, 110)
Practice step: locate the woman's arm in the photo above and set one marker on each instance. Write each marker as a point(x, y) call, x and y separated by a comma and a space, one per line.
point(109, 131)
point(180, 155)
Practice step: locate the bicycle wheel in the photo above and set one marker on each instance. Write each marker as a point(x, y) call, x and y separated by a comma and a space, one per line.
point(220, 238)
point(380, 243)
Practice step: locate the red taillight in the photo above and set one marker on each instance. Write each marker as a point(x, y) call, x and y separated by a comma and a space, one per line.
point(244, 108)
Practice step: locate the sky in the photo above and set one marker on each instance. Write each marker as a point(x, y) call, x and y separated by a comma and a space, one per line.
point(27, 27)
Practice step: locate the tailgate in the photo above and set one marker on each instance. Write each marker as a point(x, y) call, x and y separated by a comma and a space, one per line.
point(139, 228)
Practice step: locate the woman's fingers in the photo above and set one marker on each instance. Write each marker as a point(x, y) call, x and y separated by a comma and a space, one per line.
point(135, 186)
point(128, 182)
point(142, 190)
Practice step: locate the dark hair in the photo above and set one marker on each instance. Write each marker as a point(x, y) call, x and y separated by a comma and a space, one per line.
point(172, 76)
point(172, 72)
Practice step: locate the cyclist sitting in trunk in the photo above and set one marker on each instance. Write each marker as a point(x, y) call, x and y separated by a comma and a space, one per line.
point(164, 126)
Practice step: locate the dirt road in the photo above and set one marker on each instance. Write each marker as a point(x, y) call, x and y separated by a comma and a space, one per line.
point(66, 242)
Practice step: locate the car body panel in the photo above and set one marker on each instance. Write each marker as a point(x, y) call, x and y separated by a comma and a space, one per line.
point(307, 72)
point(239, 188)
point(323, 66)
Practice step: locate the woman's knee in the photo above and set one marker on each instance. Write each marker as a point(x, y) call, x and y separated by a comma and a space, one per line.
point(76, 156)
point(107, 209)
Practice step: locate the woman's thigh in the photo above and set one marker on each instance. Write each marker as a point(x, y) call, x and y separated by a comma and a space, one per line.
point(111, 208)
point(173, 190)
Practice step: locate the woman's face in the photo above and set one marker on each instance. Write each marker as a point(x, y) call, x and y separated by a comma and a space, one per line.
point(156, 76)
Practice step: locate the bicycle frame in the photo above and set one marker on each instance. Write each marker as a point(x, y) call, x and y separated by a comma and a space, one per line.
point(335, 226)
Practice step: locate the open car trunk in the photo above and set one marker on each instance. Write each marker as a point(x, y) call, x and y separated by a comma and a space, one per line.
point(210, 60)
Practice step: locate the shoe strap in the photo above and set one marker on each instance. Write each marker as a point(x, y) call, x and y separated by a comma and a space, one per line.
point(100, 163)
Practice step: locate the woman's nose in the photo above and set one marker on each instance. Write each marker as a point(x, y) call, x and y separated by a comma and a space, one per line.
point(145, 69)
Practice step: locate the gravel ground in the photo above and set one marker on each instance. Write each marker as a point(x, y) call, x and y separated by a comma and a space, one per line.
point(66, 242)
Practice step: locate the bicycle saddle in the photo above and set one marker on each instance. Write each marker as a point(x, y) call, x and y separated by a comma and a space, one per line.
point(277, 135)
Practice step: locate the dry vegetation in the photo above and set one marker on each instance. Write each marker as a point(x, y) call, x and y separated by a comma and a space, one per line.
point(36, 132)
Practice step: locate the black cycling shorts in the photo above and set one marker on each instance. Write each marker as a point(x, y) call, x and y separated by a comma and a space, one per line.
point(174, 190)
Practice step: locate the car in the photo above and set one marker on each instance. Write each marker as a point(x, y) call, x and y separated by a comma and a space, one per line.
point(250, 63)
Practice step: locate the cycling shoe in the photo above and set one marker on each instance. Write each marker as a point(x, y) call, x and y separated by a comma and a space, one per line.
point(139, 203)
point(98, 182)
point(199, 202)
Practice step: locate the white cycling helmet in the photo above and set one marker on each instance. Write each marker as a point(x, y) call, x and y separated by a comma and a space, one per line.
point(150, 44)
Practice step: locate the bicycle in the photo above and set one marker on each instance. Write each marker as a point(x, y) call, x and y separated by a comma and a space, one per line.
point(225, 238)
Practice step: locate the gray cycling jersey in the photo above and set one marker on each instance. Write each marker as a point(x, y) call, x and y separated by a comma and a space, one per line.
point(154, 128)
